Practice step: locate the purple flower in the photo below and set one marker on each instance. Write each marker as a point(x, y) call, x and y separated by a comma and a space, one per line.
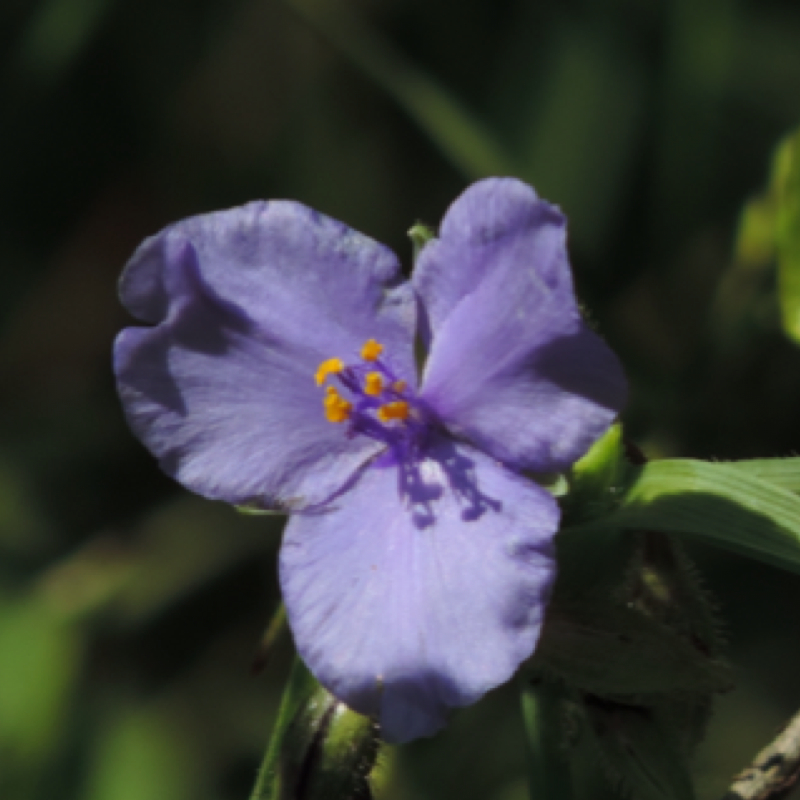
point(279, 370)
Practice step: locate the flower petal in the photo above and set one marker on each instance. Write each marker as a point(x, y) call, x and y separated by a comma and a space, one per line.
point(248, 303)
point(301, 275)
point(496, 225)
point(512, 366)
point(424, 588)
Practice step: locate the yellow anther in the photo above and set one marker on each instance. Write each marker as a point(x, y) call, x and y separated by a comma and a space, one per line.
point(373, 384)
point(338, 413)
point(399, 386)
point(332, 397)
point(399, 409)
point(337, 409)
point(333, 366)
point(371, 350)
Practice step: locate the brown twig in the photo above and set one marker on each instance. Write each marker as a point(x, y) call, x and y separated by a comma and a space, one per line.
point(775, 770)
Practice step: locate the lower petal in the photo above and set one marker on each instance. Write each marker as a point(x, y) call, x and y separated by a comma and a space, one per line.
point(424, 588)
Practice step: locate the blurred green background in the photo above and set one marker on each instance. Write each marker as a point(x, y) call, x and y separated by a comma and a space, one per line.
point(130, 611)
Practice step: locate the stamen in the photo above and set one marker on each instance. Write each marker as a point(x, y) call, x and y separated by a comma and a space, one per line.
point(371, 350)
point(333, 366)
point(399, 386)
point(337, 409)
point(373, 384)
point(399, 409)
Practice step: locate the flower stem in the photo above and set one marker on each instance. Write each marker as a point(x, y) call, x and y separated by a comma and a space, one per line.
point(549, 775)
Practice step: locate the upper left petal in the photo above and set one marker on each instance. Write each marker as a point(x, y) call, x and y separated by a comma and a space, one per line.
point(417, 596)
point(248, 302)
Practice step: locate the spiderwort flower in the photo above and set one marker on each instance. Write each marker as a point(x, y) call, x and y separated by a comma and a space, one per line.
point(279, 370)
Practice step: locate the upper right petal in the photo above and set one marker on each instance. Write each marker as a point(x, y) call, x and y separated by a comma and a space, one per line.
point(246, 304)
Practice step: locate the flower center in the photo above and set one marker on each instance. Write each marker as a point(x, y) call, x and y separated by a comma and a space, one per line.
point(370, 396)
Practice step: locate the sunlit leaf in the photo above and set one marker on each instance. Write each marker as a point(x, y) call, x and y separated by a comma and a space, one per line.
point(787, 176)
point(139, 756)
point(39, 660)
point(719, 503)
point(783, 472)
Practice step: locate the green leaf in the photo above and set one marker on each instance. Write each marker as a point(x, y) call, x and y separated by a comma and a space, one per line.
point(782, 472)
point(59, 32)
point(755, 237)
point(319, 750)
point(542, 714)
point(40, 656)
point(719, 503)
point(787, 178)
point(139, 754)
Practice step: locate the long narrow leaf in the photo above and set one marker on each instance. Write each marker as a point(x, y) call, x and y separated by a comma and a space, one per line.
point(719, 503)
point(464, 141)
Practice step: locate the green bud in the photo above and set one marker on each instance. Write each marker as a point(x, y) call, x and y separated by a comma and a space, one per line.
point(614, 651)
point(636, 750)
point(597, 480)
point(630, 634)
point(320, 749)
point(420, 235)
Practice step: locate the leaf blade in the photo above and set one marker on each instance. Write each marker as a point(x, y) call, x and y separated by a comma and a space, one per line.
point(718, 503)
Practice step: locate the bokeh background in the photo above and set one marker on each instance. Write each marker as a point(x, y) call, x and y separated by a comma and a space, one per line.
point(130, 610)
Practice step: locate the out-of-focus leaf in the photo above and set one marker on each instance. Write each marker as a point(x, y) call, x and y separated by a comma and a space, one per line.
point(40, 656)
point(770, 228)
point(716, 502)
point(755, 238)
point(277, 626)
point(700, 43)
point(139, 757)
point(22, 526)
point(176, 549)
point(184, 544)
point(787, 178)
point(591, 97)
point(463, 140)
point(58, 33)
point(543, 717)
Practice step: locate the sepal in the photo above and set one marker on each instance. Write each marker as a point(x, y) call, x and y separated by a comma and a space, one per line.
point(597, 481)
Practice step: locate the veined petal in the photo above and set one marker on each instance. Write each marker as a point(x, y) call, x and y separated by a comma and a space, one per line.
point(512, 366)
point(248, 303)
point(424, 588)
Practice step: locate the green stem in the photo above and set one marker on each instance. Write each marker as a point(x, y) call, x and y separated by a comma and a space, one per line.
point(285, 755)
point(549, 775)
